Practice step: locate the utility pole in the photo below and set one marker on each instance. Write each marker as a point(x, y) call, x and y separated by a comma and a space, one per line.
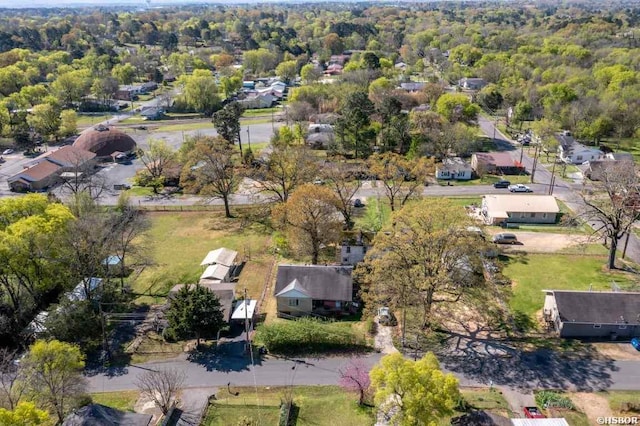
point(553, 176)
point(535, 162)
point(246, 317)
point(248, 138)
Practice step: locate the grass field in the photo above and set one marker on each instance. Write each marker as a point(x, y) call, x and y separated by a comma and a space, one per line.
point(487, 180)
point(123, 400)
point(200, 125)
point(178, 241)
point(89, 120)
point(618, 398)
point(260, 112)
point(318, 406)
point(532, 273)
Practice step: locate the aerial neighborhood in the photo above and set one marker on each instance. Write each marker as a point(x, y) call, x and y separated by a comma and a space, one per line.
point(336, 213)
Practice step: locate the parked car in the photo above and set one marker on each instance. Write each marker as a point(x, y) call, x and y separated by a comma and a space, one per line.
point(7, 151)
point(502, 184)
point(519, 188)
point(386, 317)
point(533, 413)
point(635, 342)
point(505, 238)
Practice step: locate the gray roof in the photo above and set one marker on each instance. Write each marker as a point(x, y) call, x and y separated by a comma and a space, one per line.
point(598, 307)
point(226, 293)
point(320, 282)
point(101, 415)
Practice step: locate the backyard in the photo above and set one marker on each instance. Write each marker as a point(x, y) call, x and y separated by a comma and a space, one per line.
point(178, 241)
point(533, 273)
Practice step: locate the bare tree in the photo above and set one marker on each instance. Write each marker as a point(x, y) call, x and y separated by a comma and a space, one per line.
point(287, 167)
point(80, 177)
point(614, 203)
point(128, 224)
point(161, 386)
point(11, 386)
point(345, 183)
point(156, 159)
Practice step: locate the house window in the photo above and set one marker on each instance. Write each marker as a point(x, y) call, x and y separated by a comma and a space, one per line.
point(522, 215)
point(348, 249)
point(579, 158)
point(533, 215)
point(293, 302)
point(597, 326)
point(544, 215)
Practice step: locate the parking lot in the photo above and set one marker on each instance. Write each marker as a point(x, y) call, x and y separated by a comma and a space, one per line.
point(541, 242)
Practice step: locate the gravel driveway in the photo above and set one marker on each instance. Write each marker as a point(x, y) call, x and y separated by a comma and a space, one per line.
point(543, 242)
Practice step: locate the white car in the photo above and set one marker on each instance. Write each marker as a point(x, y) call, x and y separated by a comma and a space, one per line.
point(7, 151)
point(519, 188)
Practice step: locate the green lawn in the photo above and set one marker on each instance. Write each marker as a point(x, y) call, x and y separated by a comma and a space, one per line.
point(318, 406)
point(123, 400)
point(481, 399)
point(89, 120)
point(185, 127)
point(178, 241)
point(574, 418)
point(260, 112)
point(487, 180)
point(617, 400)
point(532, 273)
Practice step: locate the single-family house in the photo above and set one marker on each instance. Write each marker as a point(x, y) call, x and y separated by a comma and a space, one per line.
point(354, 248)
point(101, 415)
point(258, 101)
point(413, 86)
point(35, 177)
point(221, 256)
point(334, 69)
point(454, 168)
point(495, 163)
point(472, 83)
point(595, 169)
point(338, 59)
point(248, 85)
point(519, 208)
point(320, 136)
point(152, 113)
point(573, 152)
point(307, 289)
point(225, 292)
point(400, 66)
point(128, 93)
point(148, 87)
point(603, 314)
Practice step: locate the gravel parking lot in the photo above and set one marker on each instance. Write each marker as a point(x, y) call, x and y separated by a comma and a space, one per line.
point(542, 242)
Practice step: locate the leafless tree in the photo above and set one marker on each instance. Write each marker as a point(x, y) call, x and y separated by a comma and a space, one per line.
point(11, 386)
point(161, 386)
point(614, 203)
point(128, 224)
point(344, 181)
point(80, 177)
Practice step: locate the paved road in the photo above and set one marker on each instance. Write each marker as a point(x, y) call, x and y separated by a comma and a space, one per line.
point(528, 370)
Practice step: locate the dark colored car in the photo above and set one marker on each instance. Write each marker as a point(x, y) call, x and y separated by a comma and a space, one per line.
point(635, 342)
point(502, 184)
point(533, 413)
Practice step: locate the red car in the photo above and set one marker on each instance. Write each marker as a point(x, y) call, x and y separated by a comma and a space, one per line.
point(533, 413)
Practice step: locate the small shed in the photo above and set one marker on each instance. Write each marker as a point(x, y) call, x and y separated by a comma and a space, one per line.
point(216, 272)
point(245, 309)
point(88, 285)
point(221, 256)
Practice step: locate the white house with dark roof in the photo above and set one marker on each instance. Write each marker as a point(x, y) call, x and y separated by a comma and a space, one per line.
point(519, 208)
point(603, 314)
point(573, 152)
point(307, 289)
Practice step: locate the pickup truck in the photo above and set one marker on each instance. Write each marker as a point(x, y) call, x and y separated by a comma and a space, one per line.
point(533, 413)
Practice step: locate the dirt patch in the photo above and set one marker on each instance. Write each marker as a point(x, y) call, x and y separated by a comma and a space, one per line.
point(617, 351)
point(592, 405)
point(543, 242)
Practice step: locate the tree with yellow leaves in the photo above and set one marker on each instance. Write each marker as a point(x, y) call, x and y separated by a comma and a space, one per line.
point(413, 392)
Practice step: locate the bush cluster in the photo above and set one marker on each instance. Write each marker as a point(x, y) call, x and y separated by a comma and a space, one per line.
point(549, 399)
point(306, 335)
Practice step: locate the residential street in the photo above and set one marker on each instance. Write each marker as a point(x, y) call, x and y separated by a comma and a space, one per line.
point(524, 371)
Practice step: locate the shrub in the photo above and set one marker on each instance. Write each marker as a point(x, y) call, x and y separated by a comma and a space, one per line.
point(307, 335)
point(372, 327)
point(630, 407)
point(549, 399)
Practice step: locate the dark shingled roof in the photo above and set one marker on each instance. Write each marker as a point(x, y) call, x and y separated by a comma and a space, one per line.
point(104, 141)
point(598, 307)
point(321, 282)
point(101, 415)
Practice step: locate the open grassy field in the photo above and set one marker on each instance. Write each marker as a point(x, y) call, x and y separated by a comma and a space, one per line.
point(199, 125)
point(123, 400)
point(260, 112)
point(89, 120)
point(532, 273)
point(178, 241)
point(314, 403)
point(617, 400)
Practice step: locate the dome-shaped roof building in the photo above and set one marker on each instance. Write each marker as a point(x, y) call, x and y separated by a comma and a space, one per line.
point(105, 141)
